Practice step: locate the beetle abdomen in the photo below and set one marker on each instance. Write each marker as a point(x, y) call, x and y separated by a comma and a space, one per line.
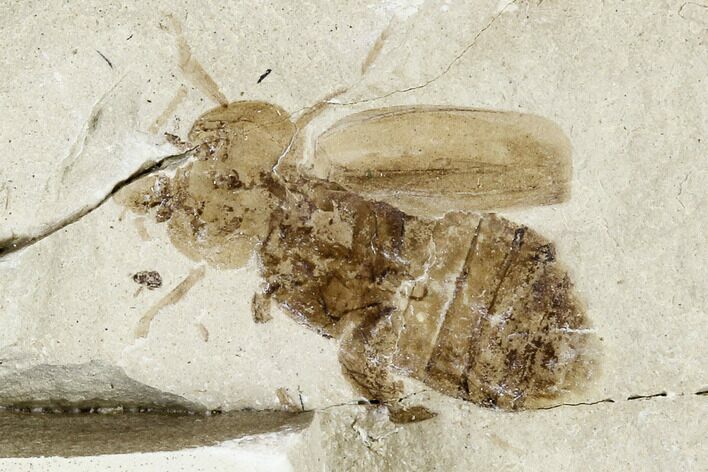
point(498, 324)
point(473, 305)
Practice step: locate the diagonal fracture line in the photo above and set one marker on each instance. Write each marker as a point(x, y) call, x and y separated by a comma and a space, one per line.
point(15, 244)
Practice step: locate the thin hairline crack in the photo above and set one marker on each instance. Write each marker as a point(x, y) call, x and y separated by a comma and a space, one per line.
point(442, 73)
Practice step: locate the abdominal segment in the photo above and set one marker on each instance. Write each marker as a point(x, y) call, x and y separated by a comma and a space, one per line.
point(498, 323)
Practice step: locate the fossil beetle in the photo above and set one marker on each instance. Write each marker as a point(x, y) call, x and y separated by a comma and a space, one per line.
point(379, 233)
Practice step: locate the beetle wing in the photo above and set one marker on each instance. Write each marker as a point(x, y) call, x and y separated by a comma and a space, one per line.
point(430, 160)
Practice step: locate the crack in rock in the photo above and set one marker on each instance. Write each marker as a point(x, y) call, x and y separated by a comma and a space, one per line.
point(644, 397)
point(16, 243)
point(447, 69)
point(663, 394)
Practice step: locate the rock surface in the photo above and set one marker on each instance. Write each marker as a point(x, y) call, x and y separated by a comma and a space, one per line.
point(90, 91)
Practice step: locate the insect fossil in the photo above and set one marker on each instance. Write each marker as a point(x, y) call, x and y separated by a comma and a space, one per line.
point(380, 242)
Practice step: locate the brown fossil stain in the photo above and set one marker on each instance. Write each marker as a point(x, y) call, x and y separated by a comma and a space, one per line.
point(203, 332)
point(375, 50)
point(472, 304)
point(413, 414)
point(285, 400)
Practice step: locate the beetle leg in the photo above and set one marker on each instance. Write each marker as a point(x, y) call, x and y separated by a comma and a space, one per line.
point(260, 307)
